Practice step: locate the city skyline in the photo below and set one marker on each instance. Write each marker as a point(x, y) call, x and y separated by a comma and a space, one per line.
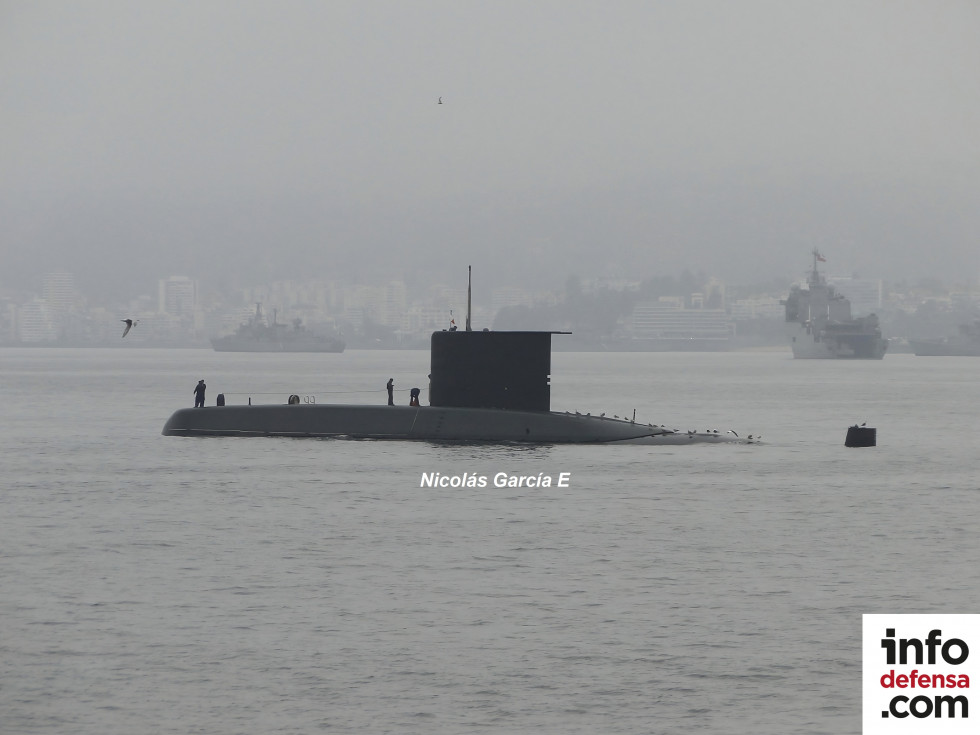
point(178, 314)
point(151, 287)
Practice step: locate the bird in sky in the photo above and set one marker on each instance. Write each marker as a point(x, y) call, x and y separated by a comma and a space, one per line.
point(130, 323)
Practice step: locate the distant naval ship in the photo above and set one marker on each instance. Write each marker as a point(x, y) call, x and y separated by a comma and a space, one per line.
point(964, 344)
point(257, 336)
point(820, 326)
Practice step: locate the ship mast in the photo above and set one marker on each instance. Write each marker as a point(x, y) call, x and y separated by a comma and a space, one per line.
point(469, 296)
point(814, 274)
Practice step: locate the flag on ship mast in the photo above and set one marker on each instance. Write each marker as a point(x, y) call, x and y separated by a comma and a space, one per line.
point(820, 257)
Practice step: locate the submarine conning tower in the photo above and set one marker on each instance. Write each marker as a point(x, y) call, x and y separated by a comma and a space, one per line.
point(509, 370)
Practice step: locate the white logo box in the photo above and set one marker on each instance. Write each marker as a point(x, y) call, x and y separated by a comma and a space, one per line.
point(932, 690)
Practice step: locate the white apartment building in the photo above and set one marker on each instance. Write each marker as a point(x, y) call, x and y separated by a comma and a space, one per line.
point(35, 323)
point(663, 320)
point(865, 294)
point(501, 298)
point(58, 291)
point(177, 296)
point(767, 307)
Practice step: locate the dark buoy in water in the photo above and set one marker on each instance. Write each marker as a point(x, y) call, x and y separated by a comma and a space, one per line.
point(861, 436)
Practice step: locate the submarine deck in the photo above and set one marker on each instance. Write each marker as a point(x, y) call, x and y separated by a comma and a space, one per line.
point(427, 423)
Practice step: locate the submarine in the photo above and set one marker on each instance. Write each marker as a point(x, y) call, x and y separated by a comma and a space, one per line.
point(485, 386)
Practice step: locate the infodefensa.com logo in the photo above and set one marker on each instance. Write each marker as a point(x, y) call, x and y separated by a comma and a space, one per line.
point(917, 673)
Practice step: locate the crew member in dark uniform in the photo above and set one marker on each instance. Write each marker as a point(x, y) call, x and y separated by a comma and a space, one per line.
point(391, 391)
point(199, 394)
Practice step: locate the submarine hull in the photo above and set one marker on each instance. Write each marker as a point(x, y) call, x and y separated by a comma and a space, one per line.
point(425, 423)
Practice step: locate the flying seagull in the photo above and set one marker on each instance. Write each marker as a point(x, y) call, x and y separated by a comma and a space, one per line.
point(130, 323)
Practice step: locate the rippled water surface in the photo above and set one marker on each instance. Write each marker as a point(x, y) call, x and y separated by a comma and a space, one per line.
point(170, 585)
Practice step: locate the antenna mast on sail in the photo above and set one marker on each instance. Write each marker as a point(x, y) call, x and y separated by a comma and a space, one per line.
point(469, 296)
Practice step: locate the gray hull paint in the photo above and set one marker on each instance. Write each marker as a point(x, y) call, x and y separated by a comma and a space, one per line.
point(426, 423)
point(814, 344)
point(944, 348)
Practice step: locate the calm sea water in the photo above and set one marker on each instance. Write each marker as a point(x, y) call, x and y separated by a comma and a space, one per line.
point(151, 584)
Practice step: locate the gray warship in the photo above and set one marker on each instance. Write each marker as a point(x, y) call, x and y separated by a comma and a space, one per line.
point(819, 323)
point(484, 386)
point(258, 336)
point(966, 343)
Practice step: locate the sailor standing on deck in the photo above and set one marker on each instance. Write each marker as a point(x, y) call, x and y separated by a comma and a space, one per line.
point(199, 394)
point(391, 391)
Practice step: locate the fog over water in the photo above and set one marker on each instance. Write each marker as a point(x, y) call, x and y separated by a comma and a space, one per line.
point(246, 142)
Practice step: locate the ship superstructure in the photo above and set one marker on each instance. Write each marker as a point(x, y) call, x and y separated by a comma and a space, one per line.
point(258, 336)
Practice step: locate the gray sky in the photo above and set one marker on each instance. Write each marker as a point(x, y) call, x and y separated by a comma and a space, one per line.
point(251, 141)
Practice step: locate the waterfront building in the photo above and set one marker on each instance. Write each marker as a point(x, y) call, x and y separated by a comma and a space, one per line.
point(35, 322)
